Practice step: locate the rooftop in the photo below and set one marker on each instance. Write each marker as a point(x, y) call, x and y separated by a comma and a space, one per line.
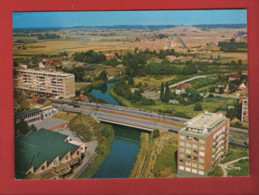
point(44, 72)
point(204, 122)
point(24, 113)
point(35, 148)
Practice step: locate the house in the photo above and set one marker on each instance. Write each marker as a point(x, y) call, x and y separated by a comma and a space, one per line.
point(234, 76)
point(110, 56)
point(224, 86)
point(84, 98)
point(48, 112)
point(28, 115)
point(170, 58)
point(242, 90)
point(34, 100)
point(33, 159)
point(244, 72)
point(181, 88)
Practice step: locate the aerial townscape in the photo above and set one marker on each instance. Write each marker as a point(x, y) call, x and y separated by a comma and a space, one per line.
point(130, 100)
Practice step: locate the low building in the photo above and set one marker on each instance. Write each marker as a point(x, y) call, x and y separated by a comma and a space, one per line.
point(84, 98)
point(223, 86)
point(233, 77)
point(28, 115)
point(170, 58)
point(202, 143)
point(242, 90)
point(48, 112)
point(33, 159)
point(182, 88)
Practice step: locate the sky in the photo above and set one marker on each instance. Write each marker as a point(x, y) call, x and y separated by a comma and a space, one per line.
point(110, 18)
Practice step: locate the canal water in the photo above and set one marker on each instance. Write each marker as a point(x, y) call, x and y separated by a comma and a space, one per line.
point(124, 148)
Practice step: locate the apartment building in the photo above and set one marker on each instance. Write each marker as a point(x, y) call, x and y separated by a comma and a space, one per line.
point(44, 83)
point(244, 111)
point(201, 144)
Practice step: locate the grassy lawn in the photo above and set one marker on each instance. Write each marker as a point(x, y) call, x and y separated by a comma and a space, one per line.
point(244, 168)
point(216, 172)
point(235, 152)
point(165, 165)
point(239, 136)
point(209, 104)
point(68, 116)
point(81, 84)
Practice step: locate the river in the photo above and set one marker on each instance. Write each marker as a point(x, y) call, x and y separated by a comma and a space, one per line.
point(124, 148)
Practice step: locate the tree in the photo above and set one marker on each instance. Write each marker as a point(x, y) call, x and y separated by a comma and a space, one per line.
point(156, 133)
point(221, 90)
point(105, 131)
point(33, 128)
point(103, 75)
point(25, 104)
point(22, 128)
point(131, 81)
point(162, 92)
point(167, 92)
point(197, 107)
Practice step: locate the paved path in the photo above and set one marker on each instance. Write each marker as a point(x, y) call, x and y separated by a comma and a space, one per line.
point(187, 80)
point(223, 166)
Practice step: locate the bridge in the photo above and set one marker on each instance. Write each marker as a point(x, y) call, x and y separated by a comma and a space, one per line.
point(130, 117)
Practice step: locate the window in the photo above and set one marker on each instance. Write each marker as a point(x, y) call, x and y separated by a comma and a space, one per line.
point(196, 139)
point(202, 147)
point(182, 137)
point(195, 152)
point(201, 172)
point(201, 153)
point(188, 163)
point(188, 169)
point(195, 158)
point(201, 160)
point(194, 145)
point(181, 149)
point(188, 156)
point(202, 141)
point(188, 145)
point(201, 166)
point(181, 143)
point(42, 168)
point(194, 165)
point(181, 155)
point(77, 152)
point(181, 161)
point(188, 151)
point(188, 137)
point(194, 171)
point(181, 167)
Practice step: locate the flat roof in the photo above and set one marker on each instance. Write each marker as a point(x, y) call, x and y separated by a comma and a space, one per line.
point(210, 120)
point(35, 148)
point(44, 72)
point(49, 123)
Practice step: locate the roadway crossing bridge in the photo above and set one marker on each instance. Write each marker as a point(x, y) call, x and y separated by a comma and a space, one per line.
point(130, 117)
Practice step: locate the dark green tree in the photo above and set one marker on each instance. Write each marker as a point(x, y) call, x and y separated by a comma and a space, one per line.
point(162, 91)
point(197, 107)
point(103, 75)
point(156, 133)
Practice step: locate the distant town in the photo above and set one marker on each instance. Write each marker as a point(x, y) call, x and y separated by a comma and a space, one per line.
point(131, 101)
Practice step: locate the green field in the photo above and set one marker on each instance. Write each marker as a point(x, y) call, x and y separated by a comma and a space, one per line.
point(244, 168)
point(234, 153)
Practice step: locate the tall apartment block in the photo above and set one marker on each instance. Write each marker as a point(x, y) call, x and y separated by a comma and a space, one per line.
point(201, 144)
point(244, 111)
point(44, 83)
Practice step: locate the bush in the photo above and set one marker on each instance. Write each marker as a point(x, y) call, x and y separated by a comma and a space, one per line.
point(105, 131)
point(211, 96)
point(156, 133)
point(197, 107)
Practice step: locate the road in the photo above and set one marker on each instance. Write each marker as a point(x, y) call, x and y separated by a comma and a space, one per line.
point(187, 80)
point(179, 38)
point(117, 115)
point(148, 118)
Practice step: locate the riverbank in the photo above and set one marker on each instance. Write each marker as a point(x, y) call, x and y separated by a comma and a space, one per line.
point(89, 129)
point(120, 100)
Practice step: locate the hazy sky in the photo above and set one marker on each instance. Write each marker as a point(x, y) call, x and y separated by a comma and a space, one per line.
point(108, 18)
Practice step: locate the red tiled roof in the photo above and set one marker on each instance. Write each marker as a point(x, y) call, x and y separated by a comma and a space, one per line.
point(84, 98)
point(34, 99)
point(234, 75)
